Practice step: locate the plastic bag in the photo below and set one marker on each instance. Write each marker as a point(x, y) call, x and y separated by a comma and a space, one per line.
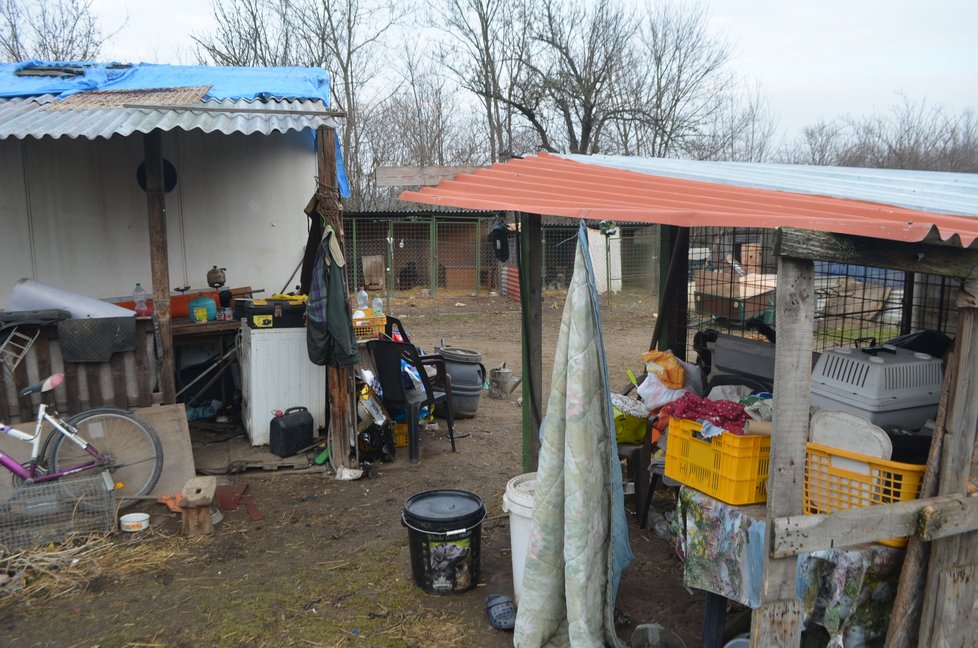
point(655, 394)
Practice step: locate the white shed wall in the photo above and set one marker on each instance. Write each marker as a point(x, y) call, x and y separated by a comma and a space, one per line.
point(73, 215)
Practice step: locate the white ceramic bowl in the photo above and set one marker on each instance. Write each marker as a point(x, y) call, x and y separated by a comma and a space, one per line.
point(132, 522)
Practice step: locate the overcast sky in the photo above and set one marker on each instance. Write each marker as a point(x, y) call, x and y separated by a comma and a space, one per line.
point(813, 58)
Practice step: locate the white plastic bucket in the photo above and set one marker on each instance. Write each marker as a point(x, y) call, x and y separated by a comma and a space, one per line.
point(518, 502)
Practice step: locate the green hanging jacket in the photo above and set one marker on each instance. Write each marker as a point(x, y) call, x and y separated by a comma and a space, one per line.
point(330, 338)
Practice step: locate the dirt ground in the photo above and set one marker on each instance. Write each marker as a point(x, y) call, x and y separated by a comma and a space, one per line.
point(329, 564)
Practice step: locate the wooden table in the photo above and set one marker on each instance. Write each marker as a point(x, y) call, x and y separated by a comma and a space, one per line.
point(218, 334)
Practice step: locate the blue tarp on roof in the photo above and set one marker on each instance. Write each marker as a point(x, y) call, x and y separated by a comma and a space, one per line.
point(225, 82)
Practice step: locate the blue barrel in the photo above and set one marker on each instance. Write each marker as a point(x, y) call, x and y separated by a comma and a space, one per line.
point(468, 376)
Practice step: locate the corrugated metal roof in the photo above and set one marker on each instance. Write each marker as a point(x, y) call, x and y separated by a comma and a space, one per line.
point(946, 193)
point(26, 117)
point(879, 203)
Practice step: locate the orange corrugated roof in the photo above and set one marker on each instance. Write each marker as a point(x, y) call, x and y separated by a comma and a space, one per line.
point(550, 185)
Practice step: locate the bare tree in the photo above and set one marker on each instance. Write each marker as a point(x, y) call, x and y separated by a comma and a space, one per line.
point(423, 123)
point(258, 33)
point(343, 36)
point(346, 36)
point(912, 135)
point(50, 30)
point(487, 50)
point(588, 78)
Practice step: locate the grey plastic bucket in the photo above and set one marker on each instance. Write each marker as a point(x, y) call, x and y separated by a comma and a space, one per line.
point(468, 376)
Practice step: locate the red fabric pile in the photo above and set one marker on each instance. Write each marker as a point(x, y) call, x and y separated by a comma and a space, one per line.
point(723, 413)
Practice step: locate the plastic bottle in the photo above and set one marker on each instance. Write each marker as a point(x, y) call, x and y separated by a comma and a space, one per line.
point(140, 297)
point(363, 300)
point(378, 306)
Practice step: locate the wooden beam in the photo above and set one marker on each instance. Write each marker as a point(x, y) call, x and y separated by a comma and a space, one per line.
point(670, 322)
point(159, 259)
point(930, 519)
point(340, 383)
point(777, 621)
point(946, 611)
point(943, 260)
point(401, 176)
point(531, 300)
point(905, 614)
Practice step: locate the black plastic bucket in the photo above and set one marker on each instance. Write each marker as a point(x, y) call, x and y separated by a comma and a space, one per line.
point(445, 537)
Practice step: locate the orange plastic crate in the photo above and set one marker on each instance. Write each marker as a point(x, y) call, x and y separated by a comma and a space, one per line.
point(368, 328)
point(732, 468)
point(836, 480)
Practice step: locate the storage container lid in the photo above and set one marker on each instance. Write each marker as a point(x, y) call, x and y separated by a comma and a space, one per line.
point(439, 510)
point(456, 354)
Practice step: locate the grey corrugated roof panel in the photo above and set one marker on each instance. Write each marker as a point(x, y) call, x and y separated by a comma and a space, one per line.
point(934, 191)
point(23, 118)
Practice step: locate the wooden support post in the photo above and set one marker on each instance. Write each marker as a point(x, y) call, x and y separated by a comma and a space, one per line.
point(905, 614)
point(339, 380)
point(159, 259)
point(195, 502)
point(531, 300)
point(777, 621)
point(670, 323)
point(949, 613)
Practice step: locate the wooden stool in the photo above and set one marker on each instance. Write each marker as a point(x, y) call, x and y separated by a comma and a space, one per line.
point(197, 496)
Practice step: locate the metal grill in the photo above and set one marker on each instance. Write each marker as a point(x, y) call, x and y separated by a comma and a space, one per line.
point(51, 512)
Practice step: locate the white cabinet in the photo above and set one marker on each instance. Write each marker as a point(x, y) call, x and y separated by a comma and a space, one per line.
point(276, 374)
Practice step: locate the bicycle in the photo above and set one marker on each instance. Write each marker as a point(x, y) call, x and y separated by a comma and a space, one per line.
point(92, 441)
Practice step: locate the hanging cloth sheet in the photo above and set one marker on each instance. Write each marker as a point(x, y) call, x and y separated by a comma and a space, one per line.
point(330, 338)
point(578, 543)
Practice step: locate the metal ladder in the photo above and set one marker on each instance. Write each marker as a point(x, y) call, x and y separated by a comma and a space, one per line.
point(15, 347)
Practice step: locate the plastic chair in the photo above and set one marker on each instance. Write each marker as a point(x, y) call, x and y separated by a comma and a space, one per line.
point(638, 456)
point(387, 358)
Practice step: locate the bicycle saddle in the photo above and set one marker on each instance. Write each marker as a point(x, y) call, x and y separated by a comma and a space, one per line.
point(45, 385)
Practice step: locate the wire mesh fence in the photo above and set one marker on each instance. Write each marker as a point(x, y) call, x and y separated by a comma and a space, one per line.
point(733, 285)
point(420, 255)
point(732, 276)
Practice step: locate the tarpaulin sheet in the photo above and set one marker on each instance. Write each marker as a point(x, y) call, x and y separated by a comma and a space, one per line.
point(225, 82)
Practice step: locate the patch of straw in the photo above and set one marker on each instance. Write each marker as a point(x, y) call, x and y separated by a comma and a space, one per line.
point(59, 569)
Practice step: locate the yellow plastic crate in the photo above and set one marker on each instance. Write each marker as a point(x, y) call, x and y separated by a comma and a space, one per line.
point(732, 468)
point(836, 480)
point(368, 328)
point(400, 435)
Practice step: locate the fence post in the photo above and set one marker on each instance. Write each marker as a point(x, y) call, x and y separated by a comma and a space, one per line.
point(390, 265)
point(433, 255)
point(356, 248)
point(478, 254)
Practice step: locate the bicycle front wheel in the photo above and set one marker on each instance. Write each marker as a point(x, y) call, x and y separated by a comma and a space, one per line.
point(130, 443)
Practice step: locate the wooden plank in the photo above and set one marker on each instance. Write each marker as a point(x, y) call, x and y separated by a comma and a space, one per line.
point(949, 261)
point(931, 518)
point(21, 380)
point(144, 336)
point(957, 454)
point(783, 627)
point(531, 301)
point(93, 375)
point(426, 176)
point(159, 259)
point(777, 621)
point(117, 366)
point(73, 387)
point(957, 590)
